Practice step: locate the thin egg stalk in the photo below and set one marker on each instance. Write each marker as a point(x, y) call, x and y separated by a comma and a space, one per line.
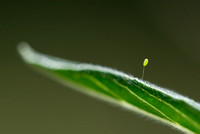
point(144, 65)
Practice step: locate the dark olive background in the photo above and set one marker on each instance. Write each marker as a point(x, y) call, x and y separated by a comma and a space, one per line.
point(118, 34)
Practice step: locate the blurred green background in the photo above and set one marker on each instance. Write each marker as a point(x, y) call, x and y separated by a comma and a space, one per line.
point(118, 34)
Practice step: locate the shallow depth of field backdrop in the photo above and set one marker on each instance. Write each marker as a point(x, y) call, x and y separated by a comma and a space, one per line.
point(118, 34)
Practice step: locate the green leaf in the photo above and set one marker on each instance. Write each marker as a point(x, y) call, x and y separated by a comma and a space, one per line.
point(119, 88)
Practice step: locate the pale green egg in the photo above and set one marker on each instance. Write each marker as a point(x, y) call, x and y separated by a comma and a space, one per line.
point(145, 62)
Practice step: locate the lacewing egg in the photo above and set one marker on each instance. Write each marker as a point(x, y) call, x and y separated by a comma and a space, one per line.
point(145, 62)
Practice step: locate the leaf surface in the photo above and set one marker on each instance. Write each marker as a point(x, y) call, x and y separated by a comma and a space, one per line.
point(119, 88)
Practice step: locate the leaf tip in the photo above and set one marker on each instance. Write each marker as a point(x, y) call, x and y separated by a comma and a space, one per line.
point(22, 47)
point(25, 51)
